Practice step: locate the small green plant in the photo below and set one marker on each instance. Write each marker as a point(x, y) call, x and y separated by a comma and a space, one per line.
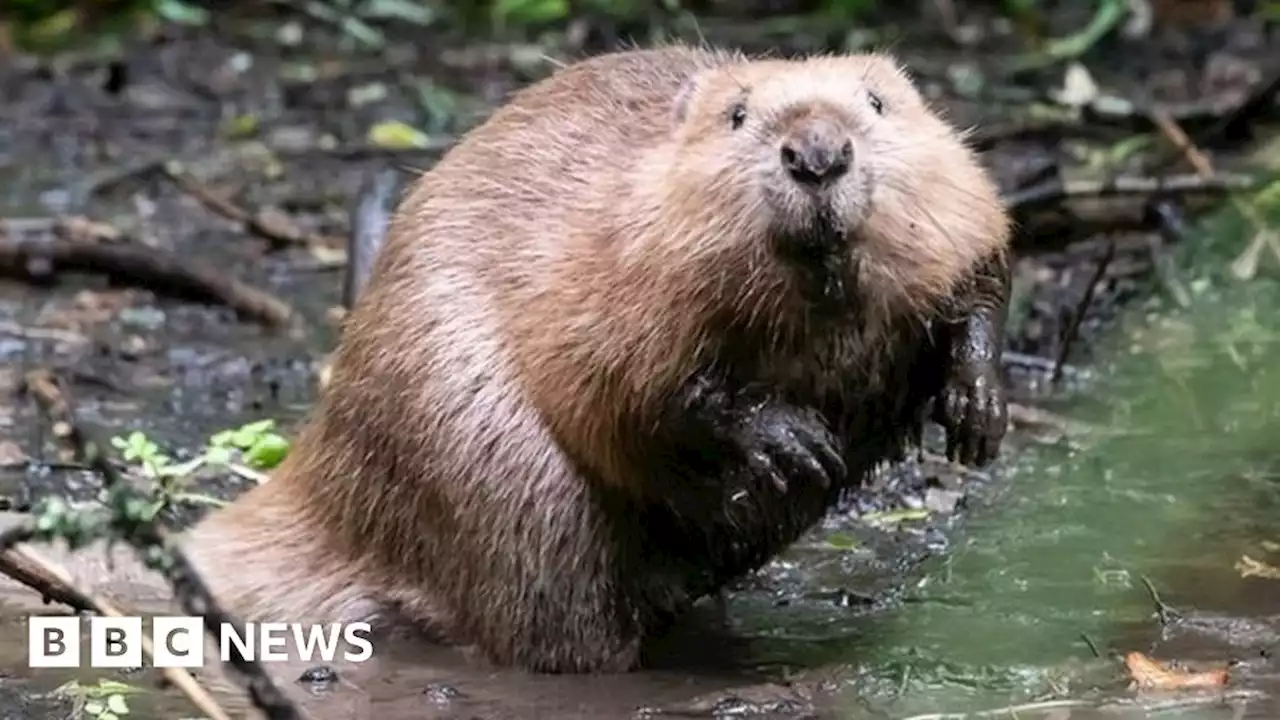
point(138, 448)
point(256, 444)
point(104, 700)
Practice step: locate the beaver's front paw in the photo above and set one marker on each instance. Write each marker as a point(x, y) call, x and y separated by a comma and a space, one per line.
point(973, 410)
point(782, 444)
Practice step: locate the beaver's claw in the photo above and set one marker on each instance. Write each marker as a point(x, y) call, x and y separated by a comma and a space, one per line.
point(782, 443)
point(973, 410)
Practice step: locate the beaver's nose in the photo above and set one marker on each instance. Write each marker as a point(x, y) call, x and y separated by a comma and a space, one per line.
point(817, 153)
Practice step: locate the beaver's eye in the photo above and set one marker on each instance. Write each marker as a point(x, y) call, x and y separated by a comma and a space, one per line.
point(876, 103)
point(738, 115)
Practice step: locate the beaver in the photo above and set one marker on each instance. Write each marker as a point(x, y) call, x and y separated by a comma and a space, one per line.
point(624, 343)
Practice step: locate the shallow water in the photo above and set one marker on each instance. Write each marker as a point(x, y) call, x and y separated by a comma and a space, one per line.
point(1175, 483)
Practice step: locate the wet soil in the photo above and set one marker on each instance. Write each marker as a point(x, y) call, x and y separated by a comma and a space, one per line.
point(912, 599)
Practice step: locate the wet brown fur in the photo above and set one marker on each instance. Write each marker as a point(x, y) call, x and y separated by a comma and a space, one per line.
point(489, 457)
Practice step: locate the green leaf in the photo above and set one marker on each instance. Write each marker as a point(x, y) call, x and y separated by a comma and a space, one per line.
point(241, 126)
point(245, 436)
point(218, 455)
point(117, 704)
point(180, 12)
point(530, 11)
point(395, 135)
point(267, 452)
point(93, 707)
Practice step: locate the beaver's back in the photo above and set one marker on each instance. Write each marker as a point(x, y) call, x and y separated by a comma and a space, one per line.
point(557, 154)
point(508, 243)
point(482, 320)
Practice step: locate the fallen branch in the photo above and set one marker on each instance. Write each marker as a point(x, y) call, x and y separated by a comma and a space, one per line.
point(16, 563)
point(988, 136)
point(368, 151)
point(1217, 118)
point(270, 225)
point(53, 581)
point(1167, 615)
point(1073, 330)
point(41, 333)
point(1245, 266)
point(1037, 363)
point(147, 267)
point(152, 544)
point(1057, 190)
point(1260, 102)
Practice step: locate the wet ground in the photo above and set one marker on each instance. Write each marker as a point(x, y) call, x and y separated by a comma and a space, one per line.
point(943, 591)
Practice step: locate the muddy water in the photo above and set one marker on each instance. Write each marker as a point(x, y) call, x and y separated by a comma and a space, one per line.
point(1175, 483)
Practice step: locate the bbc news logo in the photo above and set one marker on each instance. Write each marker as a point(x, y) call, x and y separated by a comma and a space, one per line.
point(116, 642)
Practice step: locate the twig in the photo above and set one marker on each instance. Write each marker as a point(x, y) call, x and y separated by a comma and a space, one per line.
point(155, 548)
point(1257, 103)
point(247, 473)
point(1059, 189)
point(41, 333)
point(989, 136)
point(55, 582)
point(1037, 363)
point(15, 536)
point(1245, 266)
point(1167, 615)
point(151, 268)
point(68, 227)
point(368, 151)
point(1217, 118)
point(1056, 190)
point(17, 563)
point(101, 182)
point(1106, 19)
point(1086, 299)
point(275, 227)
point(1175, 135)
point(1092, 646)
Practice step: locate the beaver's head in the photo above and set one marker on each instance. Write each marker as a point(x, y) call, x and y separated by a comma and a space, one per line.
point(837, 166)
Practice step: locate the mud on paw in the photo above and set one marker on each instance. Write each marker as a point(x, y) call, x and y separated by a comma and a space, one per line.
point(973, 410)
point(784, 444)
